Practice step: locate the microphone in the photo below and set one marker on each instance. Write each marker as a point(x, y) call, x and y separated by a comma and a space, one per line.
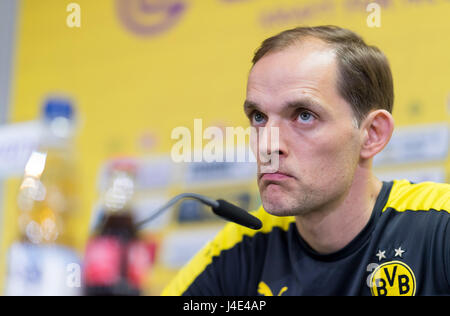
point(221, 208)
point(236, 215)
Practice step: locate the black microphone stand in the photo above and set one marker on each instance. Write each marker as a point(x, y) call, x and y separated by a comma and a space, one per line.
point(220, 208)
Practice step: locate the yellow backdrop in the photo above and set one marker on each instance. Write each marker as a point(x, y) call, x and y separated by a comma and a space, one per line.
point(137, 71)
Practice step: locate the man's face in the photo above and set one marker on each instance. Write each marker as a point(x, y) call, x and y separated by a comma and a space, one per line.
point(295, 91)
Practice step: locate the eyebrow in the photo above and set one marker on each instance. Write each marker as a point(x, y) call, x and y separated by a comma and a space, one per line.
point(304, 102)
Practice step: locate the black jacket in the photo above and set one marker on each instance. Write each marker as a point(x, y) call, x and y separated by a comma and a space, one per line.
point(403, 250)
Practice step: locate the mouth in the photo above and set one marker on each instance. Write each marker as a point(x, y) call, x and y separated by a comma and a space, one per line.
point(275, 176)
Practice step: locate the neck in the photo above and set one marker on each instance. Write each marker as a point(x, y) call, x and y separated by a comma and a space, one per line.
point(330, 229)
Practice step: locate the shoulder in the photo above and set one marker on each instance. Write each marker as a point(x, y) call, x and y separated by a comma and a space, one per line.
point(230, 237)
point(233, 234)
point(424, 196)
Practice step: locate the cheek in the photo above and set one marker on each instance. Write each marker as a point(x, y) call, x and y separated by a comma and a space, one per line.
point(328, 156)
point(342, 156)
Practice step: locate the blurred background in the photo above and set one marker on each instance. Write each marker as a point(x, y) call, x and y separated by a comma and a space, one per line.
point(90, 92)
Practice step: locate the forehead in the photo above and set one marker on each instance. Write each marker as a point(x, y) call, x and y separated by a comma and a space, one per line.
point(306, 69)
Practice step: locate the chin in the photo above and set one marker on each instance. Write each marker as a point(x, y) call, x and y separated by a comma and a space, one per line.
point(277, 211)
point(277, 205)
point(278, 202)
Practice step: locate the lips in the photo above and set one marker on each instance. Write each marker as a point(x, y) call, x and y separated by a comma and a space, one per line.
point(275, 176)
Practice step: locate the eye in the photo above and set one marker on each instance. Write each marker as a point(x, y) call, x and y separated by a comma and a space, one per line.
point(257, 117)
point(305, 117)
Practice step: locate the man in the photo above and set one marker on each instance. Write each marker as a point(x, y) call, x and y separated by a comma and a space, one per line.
point(330, 227)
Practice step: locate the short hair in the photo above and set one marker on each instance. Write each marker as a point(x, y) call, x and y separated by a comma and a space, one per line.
point(364, 76)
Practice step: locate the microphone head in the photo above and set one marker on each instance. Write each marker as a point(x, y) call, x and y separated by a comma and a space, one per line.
point(236, 215)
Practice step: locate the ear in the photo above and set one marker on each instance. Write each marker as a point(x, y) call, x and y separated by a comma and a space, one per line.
point(376, 131)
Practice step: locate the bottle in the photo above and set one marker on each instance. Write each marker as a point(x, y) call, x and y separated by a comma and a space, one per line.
point(116, 259)
point(47, 203)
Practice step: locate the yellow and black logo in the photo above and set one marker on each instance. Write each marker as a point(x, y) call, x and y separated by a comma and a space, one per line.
point(265, 290)
point(394, 278)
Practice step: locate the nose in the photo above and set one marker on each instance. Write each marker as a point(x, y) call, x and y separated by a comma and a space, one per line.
point(270, 144)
